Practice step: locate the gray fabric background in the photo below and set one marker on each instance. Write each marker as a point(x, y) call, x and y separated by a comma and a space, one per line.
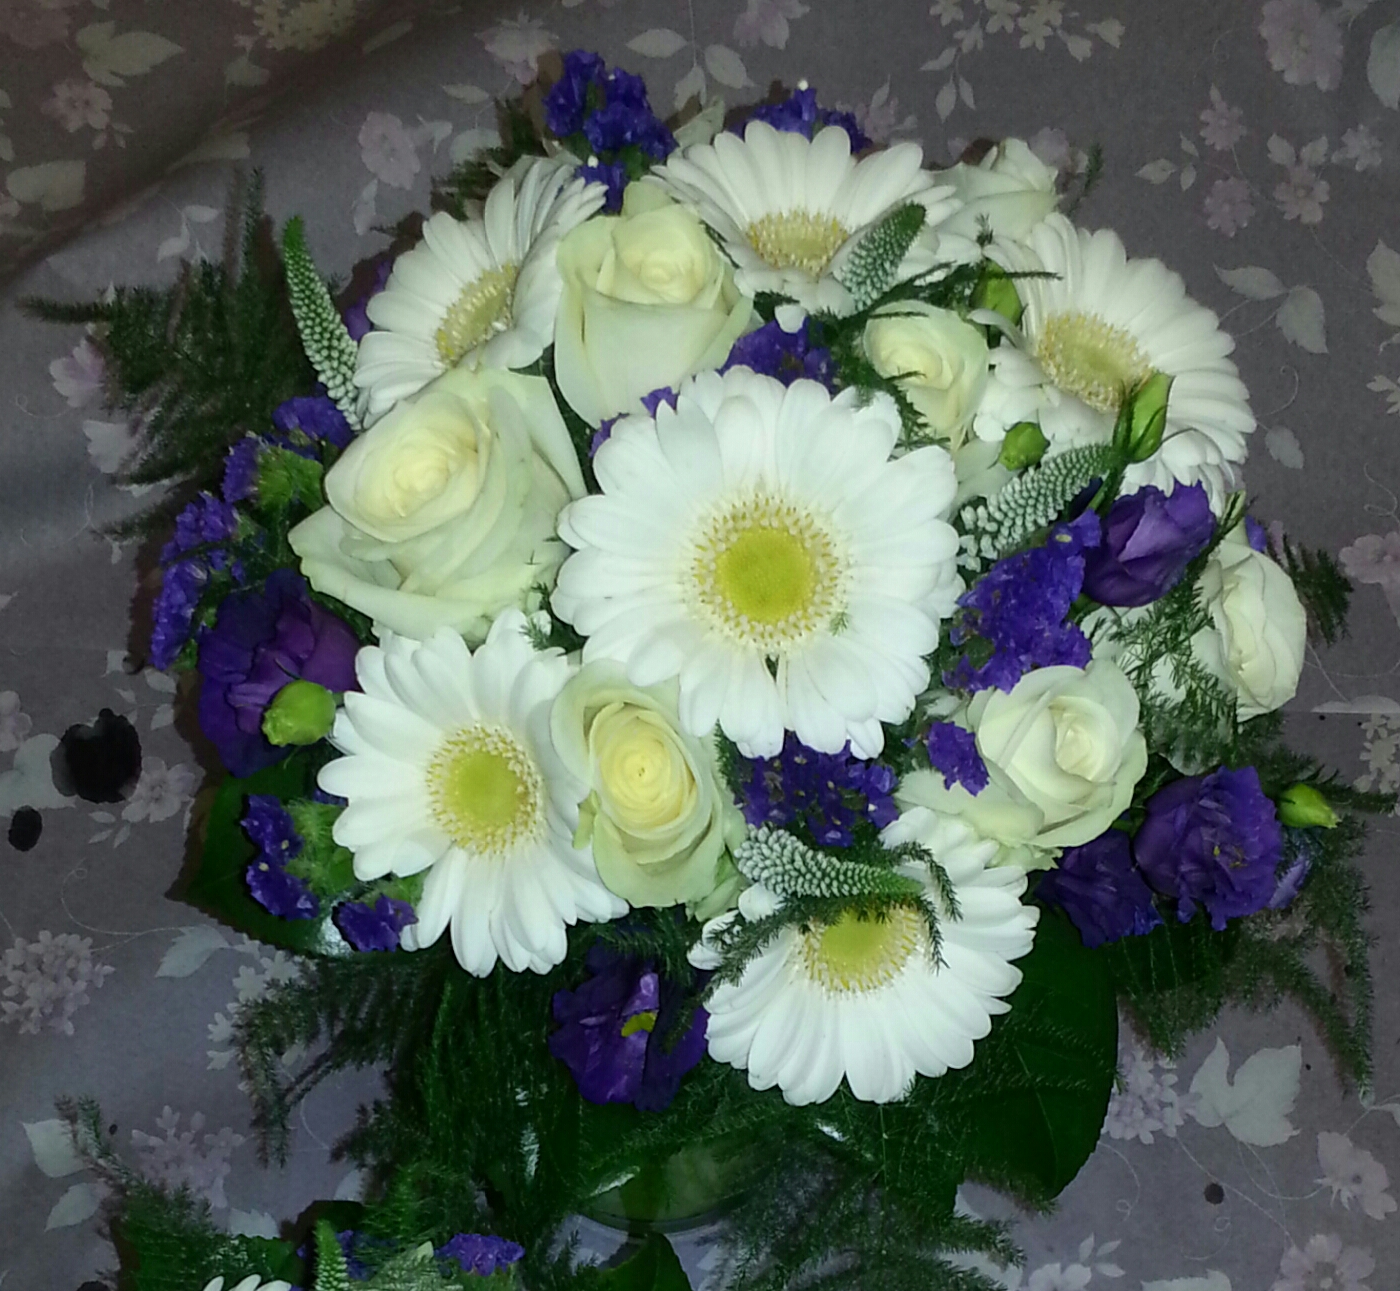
point(146, 984)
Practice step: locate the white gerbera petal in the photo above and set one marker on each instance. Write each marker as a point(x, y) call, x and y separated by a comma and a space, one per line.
point(477, 293)
point(771, 567)
point(451, 773)
point(789, 209)
point(865, 1001)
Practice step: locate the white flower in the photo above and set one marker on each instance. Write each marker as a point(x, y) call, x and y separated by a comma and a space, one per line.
point(647, 300)
point(1259, 632)
point(482, 292)
point(1102, 324)
point(451, 771)
point(1010, 189)
point(753, 524)
point(1324, 1264)
point(251, 1283)
point(1353, 1174)
point(15, 723)
point(443, 512)
point(864, 1000)
point(790, 210)
point(940, 360)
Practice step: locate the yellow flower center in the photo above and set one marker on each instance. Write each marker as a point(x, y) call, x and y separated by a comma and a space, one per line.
point(855, 956)
point(487, 793)
point(482, 310)
point(797, 240)
point(1090, 358)
point(766, 573)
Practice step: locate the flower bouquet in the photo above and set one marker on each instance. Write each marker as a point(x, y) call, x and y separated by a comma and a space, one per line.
point(737, 655)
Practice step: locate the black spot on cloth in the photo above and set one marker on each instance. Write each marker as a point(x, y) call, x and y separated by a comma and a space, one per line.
point(99, 763)
point(1214, 1194)
point(25, 827)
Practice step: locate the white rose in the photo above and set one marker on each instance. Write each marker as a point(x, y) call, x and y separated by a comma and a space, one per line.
point(1067, 741)
point(658, 812)
point(443, 513)
point(1259, 627)
point(1010, 187)
point(648, 300)
point(940, 358)
point(999, 813)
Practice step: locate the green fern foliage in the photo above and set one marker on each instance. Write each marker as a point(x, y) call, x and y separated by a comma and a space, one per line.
point(1322, 587)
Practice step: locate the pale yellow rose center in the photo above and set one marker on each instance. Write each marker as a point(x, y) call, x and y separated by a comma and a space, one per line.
point(480, 311)
point(487, 794)
point(797, 240)
point(1091, 358)
point(1085, 743)
point(854, 956)
point(766, 573)
point(641, 770)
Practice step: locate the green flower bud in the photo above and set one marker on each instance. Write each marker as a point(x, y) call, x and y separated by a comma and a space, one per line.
point(1024, 445)
point(1303, 806)
point(300, 713)
point(997, 292)
point(1144, 418)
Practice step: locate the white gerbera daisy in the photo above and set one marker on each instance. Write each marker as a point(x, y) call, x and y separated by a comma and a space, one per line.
point(866, 1000)
point(251, 1283)
point(1101, 325)
point(482, 292)
point(759, 543)
point(789, 209)
point(451, 770)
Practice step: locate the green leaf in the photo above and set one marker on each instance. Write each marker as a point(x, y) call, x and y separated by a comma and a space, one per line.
point(1034, 1100)
point(217, 884)
point(653, 1268)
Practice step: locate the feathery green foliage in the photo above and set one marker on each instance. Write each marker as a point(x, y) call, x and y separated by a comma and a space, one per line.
point(324, 336)
point(1321, 586)
point(470, 182)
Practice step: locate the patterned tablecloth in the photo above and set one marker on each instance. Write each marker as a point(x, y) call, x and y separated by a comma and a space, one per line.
point(1253, 146)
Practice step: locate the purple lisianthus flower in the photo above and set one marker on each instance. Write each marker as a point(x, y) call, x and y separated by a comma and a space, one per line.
point(953, 751)
point(613, 1033)
point(270, 827)
point(260, 641)
point(1214, 841)
point(827, 792)
point(1099, 888)
point(1149, 538)
point(356, 316)
point(316, 417)
point(799, 114)
point(788, 356)
point(240, 471)
point(479, 1254)
point(375, 927)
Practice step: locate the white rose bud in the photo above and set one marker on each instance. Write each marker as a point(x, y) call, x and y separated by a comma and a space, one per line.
point(1259, 632)
point(443, 513)
point(941, 361)
point(648, 300)
point(1010, 187)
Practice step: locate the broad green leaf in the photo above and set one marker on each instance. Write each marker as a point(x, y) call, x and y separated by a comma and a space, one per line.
point(653, 1268)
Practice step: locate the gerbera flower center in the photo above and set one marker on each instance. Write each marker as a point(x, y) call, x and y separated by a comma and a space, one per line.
point(1091, 358)
point(854, 955)
point(479, 312)
point(797, 240)
point(487, 794)
point(767, 573)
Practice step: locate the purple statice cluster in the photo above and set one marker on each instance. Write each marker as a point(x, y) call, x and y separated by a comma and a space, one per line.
point(788, 356)
point(186, 562)
point(240, 480)
point(615, 1032)
point(829, 793)
point(374, 927)
point(480, 1254)
point(651, 402)
point(1018, 608)
point(273, 834)
point(611, 111)
point(799, 114)
point(300, 424)
point(952, 751)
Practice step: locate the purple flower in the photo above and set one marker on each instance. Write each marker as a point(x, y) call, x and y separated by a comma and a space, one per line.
point(651, 402)
point(1149, 538)
point(953, 751)
point(615, 1028)
point(786, 355)
point(375, 927)
point(316, 417)
point(481, 1255)
point(1212, 840)
point(612, 175)
point(1099, 888)
point(241, 471)
point(200, 528)
point(827, 792)
point(204, 522)
point(610, 109)
point(260, 641)
point(1018, 609)
point(1255, 534)
point(1294, 869)
point(356, 316)
point(181, 586)
point(799, 114)
point(270, 827)
point(568, 98)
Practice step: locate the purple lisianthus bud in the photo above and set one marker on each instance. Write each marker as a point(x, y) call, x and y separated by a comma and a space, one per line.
point(375, 927)
point(479, 1254)
point(1214, 841)
point(1099, 888)
point(260, 641)
point(613, 1030)
point(1149, 539)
